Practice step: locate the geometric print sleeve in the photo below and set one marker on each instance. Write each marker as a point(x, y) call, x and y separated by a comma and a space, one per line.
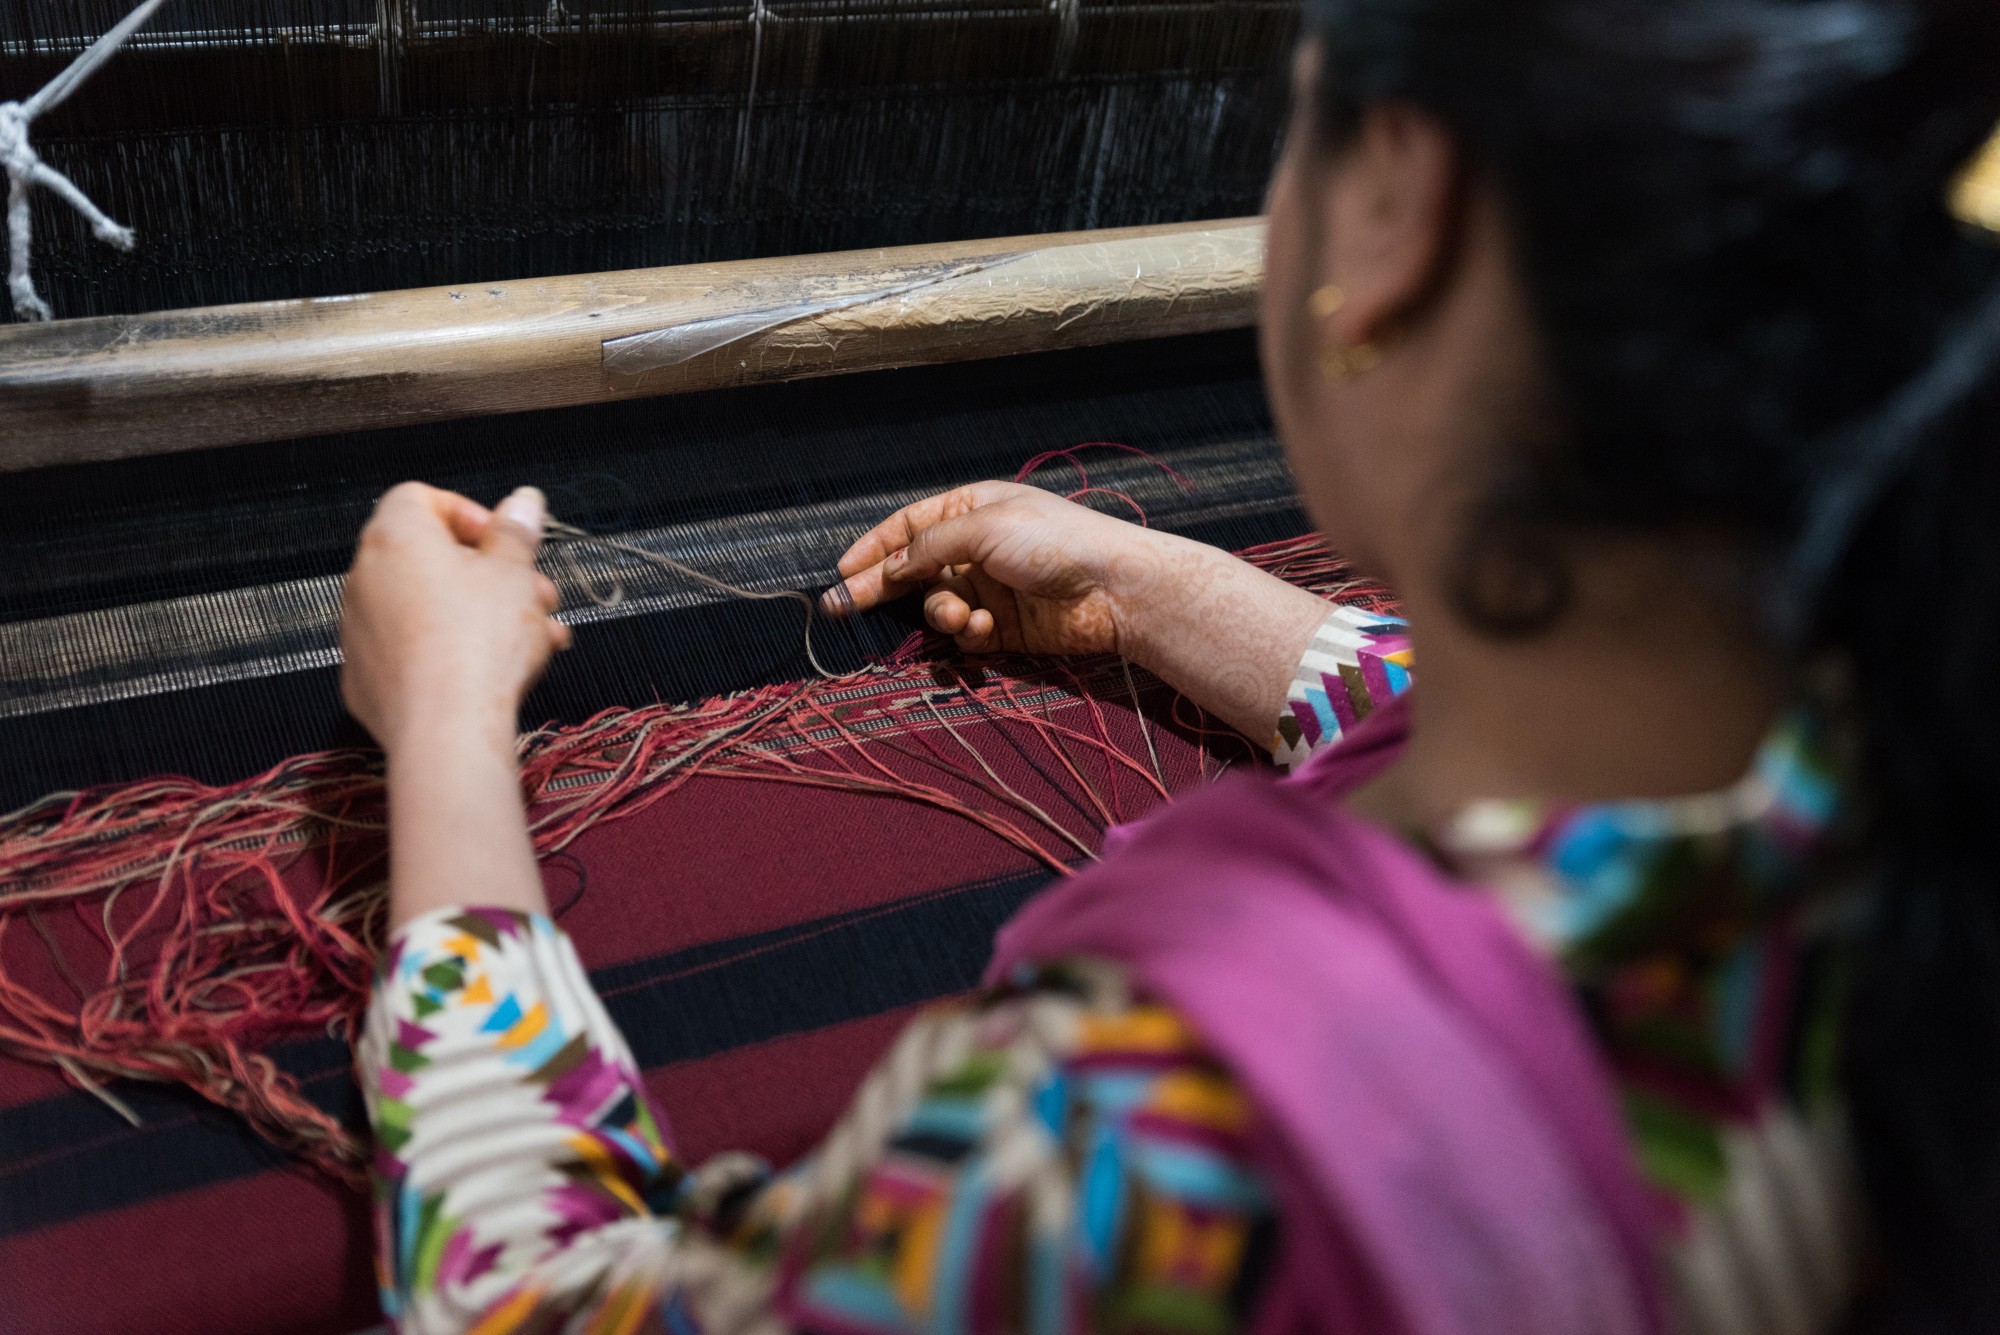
point(1357, 660)
point(514, 1147)
point(1056, 1157)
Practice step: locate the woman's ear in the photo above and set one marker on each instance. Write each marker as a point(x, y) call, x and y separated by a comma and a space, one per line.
point(1393, 211)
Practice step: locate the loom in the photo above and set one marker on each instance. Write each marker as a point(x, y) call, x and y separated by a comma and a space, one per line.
point(729, 282)
point(176, 614)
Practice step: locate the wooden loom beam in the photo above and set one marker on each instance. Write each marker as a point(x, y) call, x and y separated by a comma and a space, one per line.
point(122, 386)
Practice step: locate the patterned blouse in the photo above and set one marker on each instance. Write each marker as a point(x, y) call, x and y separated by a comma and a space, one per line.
point(1062, 1155)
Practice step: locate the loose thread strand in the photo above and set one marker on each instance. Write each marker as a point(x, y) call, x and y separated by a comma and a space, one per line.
point(206, 923)
point(570, 533)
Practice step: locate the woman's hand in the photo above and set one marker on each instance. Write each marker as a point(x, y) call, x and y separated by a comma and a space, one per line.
point(1010, 567)
point(444, 615)
point(1006, 567)
point(445, 624)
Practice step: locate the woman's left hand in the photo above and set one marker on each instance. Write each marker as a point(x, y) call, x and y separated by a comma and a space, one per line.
point(445, 620)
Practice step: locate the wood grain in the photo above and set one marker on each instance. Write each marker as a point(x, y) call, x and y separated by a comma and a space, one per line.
point(117, 387)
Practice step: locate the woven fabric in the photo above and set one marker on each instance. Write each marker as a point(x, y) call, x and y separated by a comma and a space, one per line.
point(1757, 1158)
point(754, 994)
point(776, 962)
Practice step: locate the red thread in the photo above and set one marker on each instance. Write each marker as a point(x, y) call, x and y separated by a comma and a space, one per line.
point(220, 920)
point(1084, 485)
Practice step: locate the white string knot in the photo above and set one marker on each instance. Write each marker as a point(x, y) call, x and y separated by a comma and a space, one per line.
point(25, 168)
point(15, 152)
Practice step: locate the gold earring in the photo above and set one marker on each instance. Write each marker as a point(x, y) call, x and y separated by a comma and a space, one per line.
point(1325, 301)
point(1348, 362)
point(1341, 363)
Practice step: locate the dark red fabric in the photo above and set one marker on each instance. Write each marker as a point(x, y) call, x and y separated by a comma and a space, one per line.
point(287, 1251)
point(694, 901)
point(725, 858)
point(717, 862)
point(283, 1251)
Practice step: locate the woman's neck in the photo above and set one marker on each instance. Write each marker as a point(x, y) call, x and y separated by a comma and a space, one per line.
point(1646, 688)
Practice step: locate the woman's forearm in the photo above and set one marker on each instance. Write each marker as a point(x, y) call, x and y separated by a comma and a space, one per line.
point(1217, 629)
point(457, 830)
point(1214, 627)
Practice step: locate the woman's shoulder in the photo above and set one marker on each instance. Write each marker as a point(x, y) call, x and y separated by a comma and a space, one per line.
point(1064, 1137)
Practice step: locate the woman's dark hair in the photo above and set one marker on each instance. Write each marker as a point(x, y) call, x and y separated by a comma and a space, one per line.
point(1764, 322)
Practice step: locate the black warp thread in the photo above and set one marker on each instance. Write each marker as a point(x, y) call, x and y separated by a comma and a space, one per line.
point(105, 537)
point(285, 148)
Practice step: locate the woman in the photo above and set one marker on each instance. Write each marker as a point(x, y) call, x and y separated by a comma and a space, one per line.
point(1631, 344)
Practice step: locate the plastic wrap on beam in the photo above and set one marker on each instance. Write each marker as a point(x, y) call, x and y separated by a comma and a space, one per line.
point(1045, 291)
point(118, 386)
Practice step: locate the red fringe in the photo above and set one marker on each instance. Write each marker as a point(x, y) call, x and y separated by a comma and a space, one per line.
point(227, 918)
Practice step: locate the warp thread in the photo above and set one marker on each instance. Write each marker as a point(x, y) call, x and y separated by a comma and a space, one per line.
point(567, 534)
point(295, 173)
point(25, 168)
point(222, 920)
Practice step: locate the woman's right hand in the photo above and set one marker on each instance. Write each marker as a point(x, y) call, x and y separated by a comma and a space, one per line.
point(1010, 568)
point(1005, 567)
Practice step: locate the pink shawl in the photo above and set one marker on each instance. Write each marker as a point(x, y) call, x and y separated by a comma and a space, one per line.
point(1441, 1137)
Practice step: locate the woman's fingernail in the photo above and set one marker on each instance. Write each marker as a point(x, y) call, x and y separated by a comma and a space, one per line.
point(527, 508)
point(897, 558)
